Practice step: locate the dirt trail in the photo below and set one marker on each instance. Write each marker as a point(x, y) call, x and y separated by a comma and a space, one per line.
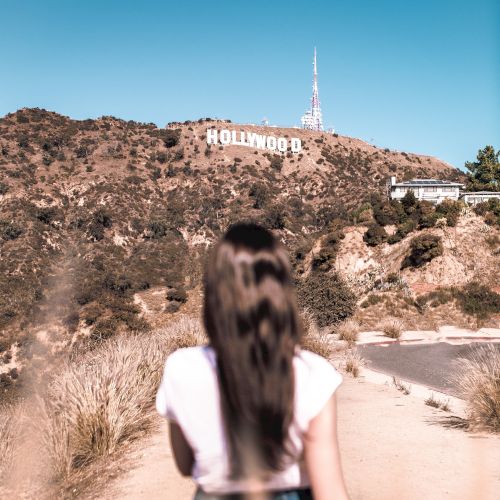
point(393, 446)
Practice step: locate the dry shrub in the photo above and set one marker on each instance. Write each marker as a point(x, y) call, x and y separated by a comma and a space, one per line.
point(348, 330)
point(393, 328)
point(9, 431)
point(107, 397)
point(478, 379)
point(401, 386)
point(313, 338)
point(353, 362)
point(436, 403)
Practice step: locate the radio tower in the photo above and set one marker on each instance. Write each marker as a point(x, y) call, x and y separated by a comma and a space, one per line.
point(312, 119)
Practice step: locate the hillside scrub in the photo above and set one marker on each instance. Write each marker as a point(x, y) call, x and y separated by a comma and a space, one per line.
point(107, 397)
point(490, 211)
point(327, 296)
point(375, 235)
point(478, 300)
point(423, 249)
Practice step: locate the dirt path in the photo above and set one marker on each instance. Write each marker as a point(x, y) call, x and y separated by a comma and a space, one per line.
point(393, 447)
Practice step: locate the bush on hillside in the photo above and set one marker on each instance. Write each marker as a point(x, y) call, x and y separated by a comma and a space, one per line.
point(324, 260)
point(490, 210)
point(409, 202)
point(9, 230)
point(423, 248)
point(388, 212)
point(327, 296)
point(170, 137)
point(276, 162)
point(402, 231)
point(375, 235)
point(451, 210)
point(478, 300)
point(260, 195)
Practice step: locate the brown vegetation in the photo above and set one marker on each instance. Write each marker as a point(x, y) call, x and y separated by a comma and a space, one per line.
point(478, 378)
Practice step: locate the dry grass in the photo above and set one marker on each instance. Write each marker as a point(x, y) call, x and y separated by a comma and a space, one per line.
point(435, 403)
point(348, 330)
point(393, 328)
point(107, 398)
point(401, 386)
point(353, 362)
point(479, 381)
point(314, 339)
point(9, 431)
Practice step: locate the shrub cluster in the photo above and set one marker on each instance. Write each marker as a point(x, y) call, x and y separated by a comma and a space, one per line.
point(424, 248)
point(327, 296)
point(408, 214)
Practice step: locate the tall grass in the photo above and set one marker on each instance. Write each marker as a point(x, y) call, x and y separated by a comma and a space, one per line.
point(478, 379)
point(313, 338)
point(348, 330)
point(107, 397)
point(9, 432)
point(393, 328)
point(353, 362)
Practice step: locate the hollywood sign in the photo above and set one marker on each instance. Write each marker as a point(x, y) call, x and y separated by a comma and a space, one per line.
point(253, 140)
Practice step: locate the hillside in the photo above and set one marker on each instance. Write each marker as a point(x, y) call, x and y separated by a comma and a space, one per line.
point(96, 214)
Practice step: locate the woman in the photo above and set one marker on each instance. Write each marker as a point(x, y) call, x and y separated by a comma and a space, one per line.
point(252, 415)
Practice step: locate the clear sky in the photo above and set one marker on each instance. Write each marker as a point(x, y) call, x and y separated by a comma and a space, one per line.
point(414, 75)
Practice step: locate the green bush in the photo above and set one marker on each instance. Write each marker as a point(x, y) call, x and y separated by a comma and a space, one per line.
point(177, 294)
point(9, 230)
point(402, 231)
point(478, 300)
point(449, 209)
point(170, 137)
point(325, 258)
point(375, 235)
point(424, 248)
point(327, 296)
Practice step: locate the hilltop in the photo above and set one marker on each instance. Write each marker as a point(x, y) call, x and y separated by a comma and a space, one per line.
point(97, 213)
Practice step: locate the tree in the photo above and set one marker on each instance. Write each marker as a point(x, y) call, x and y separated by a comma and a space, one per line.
point(485, 172)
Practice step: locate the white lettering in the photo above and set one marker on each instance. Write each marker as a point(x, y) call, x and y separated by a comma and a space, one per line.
point(271, 143)
point(225, 136)
point(211, 136)
point(296, 145)
point(282, 144)
point(260, 141)
point(251, 138)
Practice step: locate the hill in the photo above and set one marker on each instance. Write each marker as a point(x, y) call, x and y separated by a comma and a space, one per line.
point(97, 213)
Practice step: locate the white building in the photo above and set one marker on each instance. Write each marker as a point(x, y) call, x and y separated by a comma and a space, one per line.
point(432, 190)
point(473, 198)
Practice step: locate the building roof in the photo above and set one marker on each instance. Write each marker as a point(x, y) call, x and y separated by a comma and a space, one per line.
point(481, 193)
point(426, 182)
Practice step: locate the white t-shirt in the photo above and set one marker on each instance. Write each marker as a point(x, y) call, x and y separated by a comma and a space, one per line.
point(189, 396)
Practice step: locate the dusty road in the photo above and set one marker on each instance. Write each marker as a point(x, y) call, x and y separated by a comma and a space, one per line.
point(393, 447)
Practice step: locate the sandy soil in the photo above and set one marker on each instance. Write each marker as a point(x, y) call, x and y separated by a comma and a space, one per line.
point(393, 446)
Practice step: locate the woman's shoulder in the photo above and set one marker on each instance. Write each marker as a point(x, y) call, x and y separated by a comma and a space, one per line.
point(317, 379)
point(313, 360)
point(186, 358)
point(315, 368)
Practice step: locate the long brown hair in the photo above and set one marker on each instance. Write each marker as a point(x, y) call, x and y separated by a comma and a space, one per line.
point(251, 319)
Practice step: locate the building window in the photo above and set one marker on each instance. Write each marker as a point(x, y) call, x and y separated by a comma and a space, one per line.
point(430, 189)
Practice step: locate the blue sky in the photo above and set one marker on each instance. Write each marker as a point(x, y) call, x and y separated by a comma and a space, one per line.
point(415, 75)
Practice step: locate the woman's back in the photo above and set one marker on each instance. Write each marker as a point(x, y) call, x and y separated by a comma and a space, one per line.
point(189, 395)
